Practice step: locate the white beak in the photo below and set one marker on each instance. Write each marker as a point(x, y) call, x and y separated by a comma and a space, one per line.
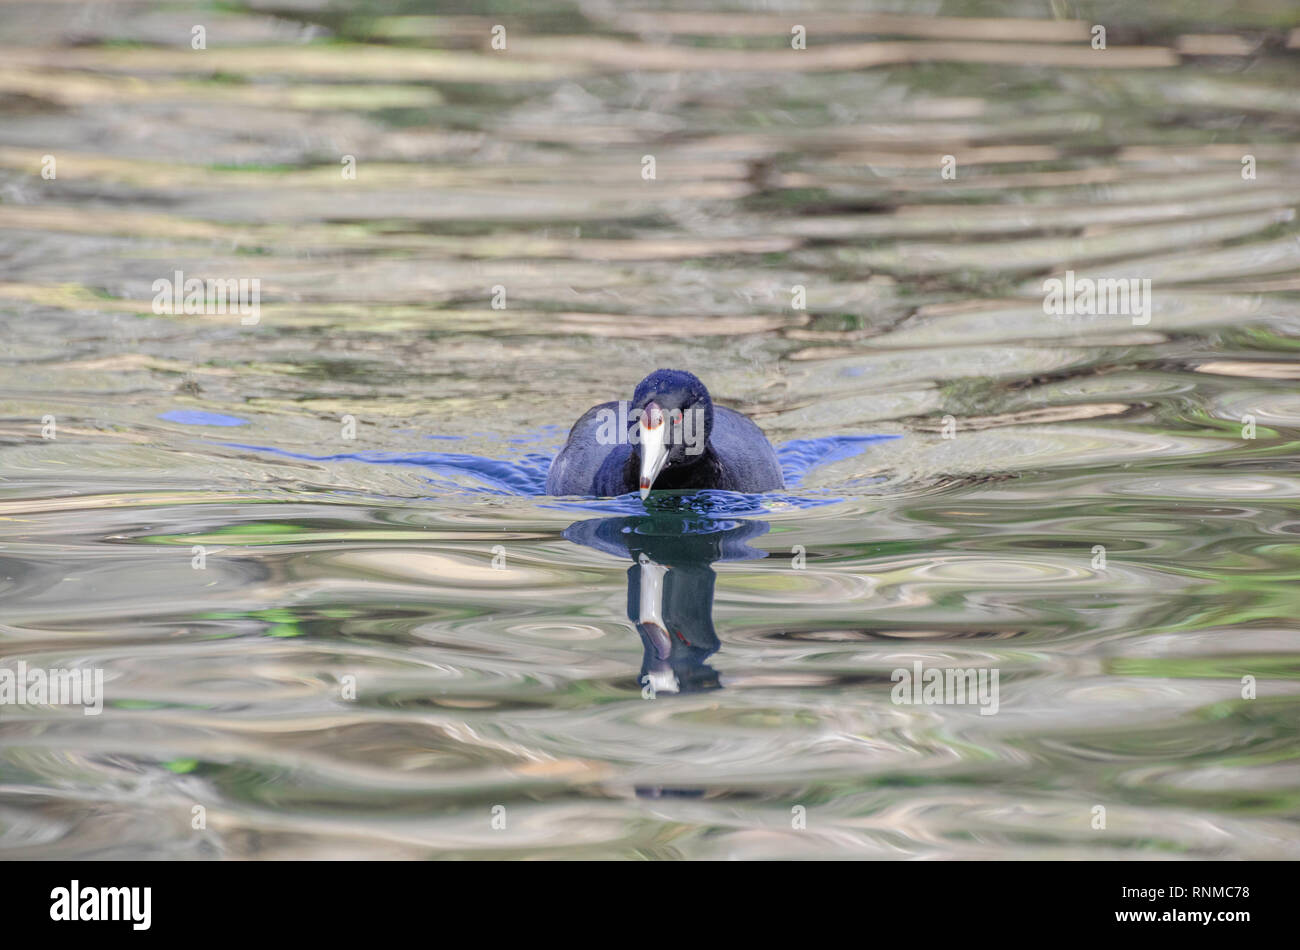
point(654, 450)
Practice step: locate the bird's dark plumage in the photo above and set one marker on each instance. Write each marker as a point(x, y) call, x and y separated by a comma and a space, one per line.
point(704, 446)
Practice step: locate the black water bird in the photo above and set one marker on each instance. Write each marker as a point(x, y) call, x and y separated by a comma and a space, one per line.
point(670, 436)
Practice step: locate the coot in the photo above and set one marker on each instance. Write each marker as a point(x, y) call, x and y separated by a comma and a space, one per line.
point(670, 436)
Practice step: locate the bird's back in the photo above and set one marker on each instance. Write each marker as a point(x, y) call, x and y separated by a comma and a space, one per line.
point(747, 458)
point(575, 469)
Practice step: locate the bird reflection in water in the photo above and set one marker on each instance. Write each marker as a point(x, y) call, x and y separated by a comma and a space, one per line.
point(670, 592)
point(670, 586)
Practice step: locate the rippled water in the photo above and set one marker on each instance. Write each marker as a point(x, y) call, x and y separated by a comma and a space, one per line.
point(500, 641)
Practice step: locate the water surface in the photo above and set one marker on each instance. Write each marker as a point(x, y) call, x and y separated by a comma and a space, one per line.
point(496, 637)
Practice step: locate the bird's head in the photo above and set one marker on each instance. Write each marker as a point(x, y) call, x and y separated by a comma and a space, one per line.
point(672, 416)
